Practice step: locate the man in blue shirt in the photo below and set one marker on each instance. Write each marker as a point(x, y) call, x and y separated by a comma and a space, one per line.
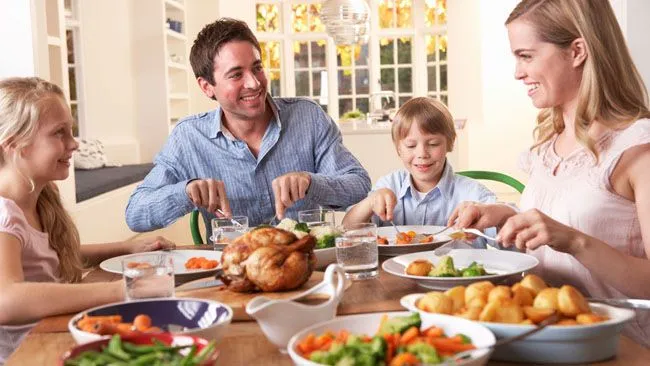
point(254, 155)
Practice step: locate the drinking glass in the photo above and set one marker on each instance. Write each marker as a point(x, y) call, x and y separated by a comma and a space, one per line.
point(317, 217)
point(356, 251)
point(225, 230)
point(148, 275)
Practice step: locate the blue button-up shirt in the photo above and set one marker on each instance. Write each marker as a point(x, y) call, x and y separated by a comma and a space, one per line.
point(300, 137)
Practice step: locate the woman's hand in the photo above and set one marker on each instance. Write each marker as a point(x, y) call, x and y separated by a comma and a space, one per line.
point(479, 215)
point(150, 244)
point(532, 229)
point(382, 202)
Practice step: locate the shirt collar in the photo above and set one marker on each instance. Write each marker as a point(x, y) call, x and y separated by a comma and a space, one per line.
point(445, 185)
point(217, 128)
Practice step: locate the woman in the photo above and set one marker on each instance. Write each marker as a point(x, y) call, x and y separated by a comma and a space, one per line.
point(586, 208)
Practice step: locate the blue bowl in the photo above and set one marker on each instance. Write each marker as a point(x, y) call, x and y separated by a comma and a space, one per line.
point(197, 317)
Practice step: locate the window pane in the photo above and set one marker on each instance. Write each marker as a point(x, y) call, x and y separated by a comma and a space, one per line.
point(299, 22)
point(405, 80)
point(442, 46)
point(345, 105)
point(386, 51)
point(72, 80)
point(386, 13)
point(344, 56)
point(388, 79)
point(318, 55)
point(275, 85)
point(403, 100)
point(315, 23)
point(268, 17)
point(302, 83)
point(69, 38)
point(301, 55)
point(404, 14)
point(362, 104)
point(316, 82)
point(445, 99)
point(404, 50)
point(270, 54)
point(430, 43)
point(443, 77)
point(345, 81)
point(362, 80)
point(431, 76)
point(361, 55)
point(75, 116)
point(435, 12)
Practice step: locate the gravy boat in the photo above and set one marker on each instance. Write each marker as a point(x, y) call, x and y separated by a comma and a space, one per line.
point(281, 319)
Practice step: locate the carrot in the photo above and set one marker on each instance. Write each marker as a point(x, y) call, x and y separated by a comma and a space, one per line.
point(342, 337)
point(142, 322)
point(383, 320)
point(404, 359)
point(409, 335)
point(434, 332)
point(307, 344)
point(110, 329)
point(390, 351)
point(449, 345)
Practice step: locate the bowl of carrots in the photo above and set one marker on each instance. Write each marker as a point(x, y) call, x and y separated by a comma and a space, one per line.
point(395, 338)
point(183, 316)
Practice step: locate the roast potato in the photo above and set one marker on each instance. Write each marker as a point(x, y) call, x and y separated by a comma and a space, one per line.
point(498, 293)
point(419, 267)
point(534, 283)
point(457, 295)
point(436, 302)
point(547, 298)
point(571, 302)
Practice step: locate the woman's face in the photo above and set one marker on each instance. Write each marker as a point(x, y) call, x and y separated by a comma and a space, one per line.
point(549, 72)
point(423, 155)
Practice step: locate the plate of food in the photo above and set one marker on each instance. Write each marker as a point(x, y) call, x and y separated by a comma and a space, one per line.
point(325, 236)
point(459, 267)
point(591, 329)
point(186, 262)
point(412, 239)
point(396, 338)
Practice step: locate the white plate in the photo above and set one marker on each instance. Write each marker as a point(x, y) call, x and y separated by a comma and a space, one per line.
point(114, 264)
point(555, 344)
point(392, 249)
point(502, 264)
point(369, 323)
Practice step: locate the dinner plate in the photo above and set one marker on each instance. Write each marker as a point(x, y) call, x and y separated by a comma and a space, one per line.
point(501, 264)
point(114, 264)
point(391, 249)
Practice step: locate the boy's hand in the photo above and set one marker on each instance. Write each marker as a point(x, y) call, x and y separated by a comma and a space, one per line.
point(382, 203)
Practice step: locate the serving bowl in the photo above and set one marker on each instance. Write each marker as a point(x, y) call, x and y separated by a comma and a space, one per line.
point(197, 317)
point(142, 339)
point(369, 323)
point(559, 344)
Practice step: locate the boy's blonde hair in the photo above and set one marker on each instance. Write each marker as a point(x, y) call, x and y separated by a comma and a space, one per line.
point(22, 102)
point(429, 114)
point(611, 90)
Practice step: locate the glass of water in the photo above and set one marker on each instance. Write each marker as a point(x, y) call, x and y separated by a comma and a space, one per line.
point(225, 230)
point(148, 275)
point(317, 217)
point(356, 251)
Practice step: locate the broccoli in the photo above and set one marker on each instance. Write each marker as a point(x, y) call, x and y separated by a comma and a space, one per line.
point(353, 352)
point(444, 268)
point(473, 270)
point(301, 226)
point(400, 324)
point(424, 352)
point(466, 339)
point(326, 241)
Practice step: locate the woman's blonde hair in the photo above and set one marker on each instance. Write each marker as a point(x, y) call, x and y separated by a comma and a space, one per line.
point(22, 102)
point(429, 114)
point(611, 90)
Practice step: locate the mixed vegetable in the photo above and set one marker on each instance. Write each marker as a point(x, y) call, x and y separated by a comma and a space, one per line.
point(444, 268)
point(114, 324)
point(122, 353)
point(325, 234)
point(399, 341)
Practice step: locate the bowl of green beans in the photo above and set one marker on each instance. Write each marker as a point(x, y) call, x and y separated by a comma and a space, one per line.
point(143, 349)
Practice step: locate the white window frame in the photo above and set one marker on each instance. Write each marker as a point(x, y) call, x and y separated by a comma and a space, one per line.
point(73, 24)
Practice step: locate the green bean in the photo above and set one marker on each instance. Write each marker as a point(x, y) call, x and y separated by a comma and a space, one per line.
point(115, 348)
point(205, 353)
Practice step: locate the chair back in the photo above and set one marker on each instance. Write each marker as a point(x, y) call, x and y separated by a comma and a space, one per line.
point(494, 176)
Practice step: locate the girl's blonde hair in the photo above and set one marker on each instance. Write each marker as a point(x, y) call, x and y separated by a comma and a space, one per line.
point(429, 114)
point(22, 102)
point(611, 90)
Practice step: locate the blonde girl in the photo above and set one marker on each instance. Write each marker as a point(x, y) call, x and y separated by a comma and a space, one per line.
point(41, 260)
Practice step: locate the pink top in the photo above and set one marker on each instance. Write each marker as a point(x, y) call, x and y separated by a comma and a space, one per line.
point(40, 264)
point(580, 195)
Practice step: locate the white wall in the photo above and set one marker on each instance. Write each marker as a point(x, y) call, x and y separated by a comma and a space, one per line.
point(198, 15)
point(633, 17)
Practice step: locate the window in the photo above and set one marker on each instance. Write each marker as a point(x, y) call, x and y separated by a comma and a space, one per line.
point(344, 78)
point(74, 64)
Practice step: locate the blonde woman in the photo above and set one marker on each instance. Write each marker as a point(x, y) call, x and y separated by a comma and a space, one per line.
point(586, 208)
point(40, 255)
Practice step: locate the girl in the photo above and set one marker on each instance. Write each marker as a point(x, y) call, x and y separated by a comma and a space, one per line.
point(428, 190)
point(586, 208)
point(40, 254)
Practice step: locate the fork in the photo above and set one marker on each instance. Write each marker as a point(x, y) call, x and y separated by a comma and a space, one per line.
point(395, 226)
point(232, 221)
point(478, 233)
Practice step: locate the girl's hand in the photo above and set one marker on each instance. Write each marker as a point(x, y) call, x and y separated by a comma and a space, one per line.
point(382, 203)
point(532, 229)
point(150, 244)
point(479, 215)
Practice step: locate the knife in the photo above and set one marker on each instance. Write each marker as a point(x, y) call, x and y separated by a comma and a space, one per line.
point(624, 303)
point(200, 285)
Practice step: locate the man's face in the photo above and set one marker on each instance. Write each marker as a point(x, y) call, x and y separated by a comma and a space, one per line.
point(239, 81)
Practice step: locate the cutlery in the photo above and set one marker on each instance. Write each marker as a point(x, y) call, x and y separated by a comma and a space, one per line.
point(395, 226)
point(624, 303)
point(546, 322)
point(477, 233)
point(443, 230)
point(272, 219)
point(216, 281)
point(232, 221)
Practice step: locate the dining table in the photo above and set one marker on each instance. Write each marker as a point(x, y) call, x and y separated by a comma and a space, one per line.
point(245, 344)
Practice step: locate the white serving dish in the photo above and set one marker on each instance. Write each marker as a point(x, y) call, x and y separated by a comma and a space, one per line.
point(391, 249)
point(502, 264)
point(558, 344)
point(369, 323)
point(114, 265)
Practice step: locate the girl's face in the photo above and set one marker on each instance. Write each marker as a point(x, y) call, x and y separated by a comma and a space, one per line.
point(423, 155)
point(549, 72)
point(48, 156)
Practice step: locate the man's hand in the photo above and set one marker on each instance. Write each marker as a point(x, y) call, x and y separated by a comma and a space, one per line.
point(288, 189)
point(210, 194)
point(150, 244)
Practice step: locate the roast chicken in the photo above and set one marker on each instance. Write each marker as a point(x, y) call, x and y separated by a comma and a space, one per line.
point(268, 259)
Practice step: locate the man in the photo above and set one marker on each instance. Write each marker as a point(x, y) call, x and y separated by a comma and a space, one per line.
point(254, 155)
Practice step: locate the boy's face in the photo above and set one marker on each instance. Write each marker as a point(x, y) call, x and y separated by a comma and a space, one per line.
point(423, 155)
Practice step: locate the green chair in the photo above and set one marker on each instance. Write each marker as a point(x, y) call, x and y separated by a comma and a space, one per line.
point(194, 228)
point(498, 177)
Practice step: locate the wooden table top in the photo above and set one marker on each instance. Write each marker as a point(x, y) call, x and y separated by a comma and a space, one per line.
point(245, 344)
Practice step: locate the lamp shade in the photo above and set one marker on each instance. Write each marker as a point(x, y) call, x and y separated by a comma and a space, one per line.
point(347, 21)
